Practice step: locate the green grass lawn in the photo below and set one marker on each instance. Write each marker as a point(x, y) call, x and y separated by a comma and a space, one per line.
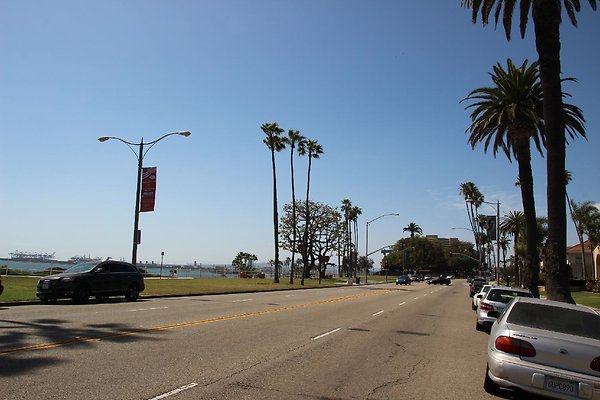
point(17, 288)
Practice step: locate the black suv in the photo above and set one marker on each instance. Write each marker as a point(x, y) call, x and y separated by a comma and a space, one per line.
point(99, 279)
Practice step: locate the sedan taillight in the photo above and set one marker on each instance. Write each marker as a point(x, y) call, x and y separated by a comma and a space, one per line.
point(515, 346)
point(595, 364)
point(486, 306)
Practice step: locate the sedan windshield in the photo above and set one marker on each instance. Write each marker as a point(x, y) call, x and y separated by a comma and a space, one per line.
point(82, 267)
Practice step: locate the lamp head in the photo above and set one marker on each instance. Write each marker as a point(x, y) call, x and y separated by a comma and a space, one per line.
point(103, 138)
point(184, 133)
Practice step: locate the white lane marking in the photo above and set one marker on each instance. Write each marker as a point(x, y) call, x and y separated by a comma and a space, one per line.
point(148, 309)
point(241, 301)
point(377, 313)
point(289, 295)
point(416, 298)
point(174, 392)
point(325, 334)
point(403, 303)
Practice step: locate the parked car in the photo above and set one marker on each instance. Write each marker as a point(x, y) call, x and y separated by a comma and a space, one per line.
point(99, 279)
point(442, 280)
point(403, 280)
point(1, 286)
point(494, 302)
point(479, 295)
point(547, 348)
point(476, 285)
point(428, 278)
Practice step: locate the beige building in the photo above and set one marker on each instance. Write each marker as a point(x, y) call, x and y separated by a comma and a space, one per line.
point(592, 261)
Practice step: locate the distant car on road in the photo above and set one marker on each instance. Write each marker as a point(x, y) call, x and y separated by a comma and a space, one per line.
point(99, 279)
point(545, 347)
point(494, 302)
point(442, 280)
point(403, 280)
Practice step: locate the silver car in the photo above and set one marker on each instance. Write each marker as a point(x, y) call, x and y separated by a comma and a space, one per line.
point(547, 348)
point(495, 301)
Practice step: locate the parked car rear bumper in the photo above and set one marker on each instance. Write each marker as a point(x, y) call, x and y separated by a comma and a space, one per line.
point(513, 372)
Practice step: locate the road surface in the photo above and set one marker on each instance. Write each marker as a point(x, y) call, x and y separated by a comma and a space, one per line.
point(356, 342)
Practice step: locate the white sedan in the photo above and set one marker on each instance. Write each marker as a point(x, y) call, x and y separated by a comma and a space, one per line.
point(547, 348)
point(480, 295)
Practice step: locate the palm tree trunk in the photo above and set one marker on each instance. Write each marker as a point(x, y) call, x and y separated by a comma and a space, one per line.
point(579, 234)
point(531, 268)
point(546, 18)
point(275, 219)
point(294, 221)
point(306, 246)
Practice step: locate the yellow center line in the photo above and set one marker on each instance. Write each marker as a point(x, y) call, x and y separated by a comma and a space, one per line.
point(50, 345)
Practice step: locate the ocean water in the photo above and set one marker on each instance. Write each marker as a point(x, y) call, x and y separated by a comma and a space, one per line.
point(179, 271)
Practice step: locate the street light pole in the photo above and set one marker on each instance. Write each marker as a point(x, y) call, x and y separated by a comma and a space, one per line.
point(367, 242)
point(140, 157)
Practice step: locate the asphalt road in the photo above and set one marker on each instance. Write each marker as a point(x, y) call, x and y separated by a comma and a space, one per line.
point(359, 342)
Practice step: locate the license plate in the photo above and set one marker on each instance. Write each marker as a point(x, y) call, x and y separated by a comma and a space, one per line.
point(561, 386)
point(45, 285)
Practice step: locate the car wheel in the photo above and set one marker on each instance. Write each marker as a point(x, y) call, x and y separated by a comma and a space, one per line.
point(489, 385)
point(81, 294)
point(473, 306)
point(133, 292)
point(478, 327)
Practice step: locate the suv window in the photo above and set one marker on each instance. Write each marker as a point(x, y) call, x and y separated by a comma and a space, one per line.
point(120, 268)
point(505, 295)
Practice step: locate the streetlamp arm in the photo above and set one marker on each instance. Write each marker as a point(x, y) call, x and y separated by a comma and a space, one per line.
point(152, 143)
point(381, 216)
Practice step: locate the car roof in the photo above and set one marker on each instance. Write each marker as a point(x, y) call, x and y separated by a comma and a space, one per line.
point(512, 289)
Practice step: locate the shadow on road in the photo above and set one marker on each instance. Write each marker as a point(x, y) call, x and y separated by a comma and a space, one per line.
point(22, 344)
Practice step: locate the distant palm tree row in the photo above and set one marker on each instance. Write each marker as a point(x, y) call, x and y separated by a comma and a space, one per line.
point(542, 112)
point(276, 142)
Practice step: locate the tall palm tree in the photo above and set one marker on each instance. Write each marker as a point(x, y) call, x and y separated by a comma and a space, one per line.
point(508, 116)
point(588, 222)
point(413, 228)
point(513, 224)
point(546, 15)
point(294, 140)
point(578, 228)
point(473, 200)
point(274, 143)
point(313, 150)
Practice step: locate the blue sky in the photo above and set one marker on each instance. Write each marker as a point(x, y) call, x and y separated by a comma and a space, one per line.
point(376, 83)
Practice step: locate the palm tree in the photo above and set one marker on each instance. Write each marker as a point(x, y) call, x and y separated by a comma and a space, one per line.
point(513, 224)
point(588, 222)
point(509, 115)
point(275, 143)
point(578, 228)
point(546, 15)
point(294, 139)
point(473, 200)
point(413, 228)
point(313, 150)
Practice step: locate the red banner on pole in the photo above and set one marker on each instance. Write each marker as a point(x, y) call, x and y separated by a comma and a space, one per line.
point(148, 189)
